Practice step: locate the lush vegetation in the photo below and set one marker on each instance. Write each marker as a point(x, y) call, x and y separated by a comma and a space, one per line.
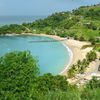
point(82, 24)
point(19, 72)
point(20, 80)
point(81, 66)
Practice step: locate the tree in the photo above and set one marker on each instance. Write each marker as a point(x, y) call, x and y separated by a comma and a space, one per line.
point(92, 40)
point(93, 83)
point(18, 71)
point(91, 56)
point(19, 78)
point(72, 71)
point(48, 82)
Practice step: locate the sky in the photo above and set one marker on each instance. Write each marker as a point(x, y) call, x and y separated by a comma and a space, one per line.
point(40, 7)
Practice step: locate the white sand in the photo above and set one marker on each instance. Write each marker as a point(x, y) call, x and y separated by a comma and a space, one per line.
point(73, 46)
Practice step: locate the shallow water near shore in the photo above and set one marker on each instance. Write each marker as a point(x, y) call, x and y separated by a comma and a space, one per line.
point(52, 56)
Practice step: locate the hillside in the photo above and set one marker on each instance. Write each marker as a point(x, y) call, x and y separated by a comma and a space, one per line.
point(82, 24)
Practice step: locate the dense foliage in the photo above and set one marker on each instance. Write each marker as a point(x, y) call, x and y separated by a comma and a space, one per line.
point(19, 77)
point(20, 80)
point(17, 74)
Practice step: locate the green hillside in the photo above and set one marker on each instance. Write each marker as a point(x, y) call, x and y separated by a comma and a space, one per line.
point(82, 24)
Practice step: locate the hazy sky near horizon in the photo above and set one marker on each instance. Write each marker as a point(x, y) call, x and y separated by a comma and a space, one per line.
point(40, 7)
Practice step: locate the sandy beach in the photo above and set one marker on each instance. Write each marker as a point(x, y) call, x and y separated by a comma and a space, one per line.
point(76, 53)
point(79, 54)
point(73, 46)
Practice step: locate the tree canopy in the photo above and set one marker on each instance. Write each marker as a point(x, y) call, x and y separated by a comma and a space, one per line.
point(17, 74)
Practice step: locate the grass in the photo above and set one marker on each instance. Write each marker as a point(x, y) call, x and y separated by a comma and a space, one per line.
point(75, 94)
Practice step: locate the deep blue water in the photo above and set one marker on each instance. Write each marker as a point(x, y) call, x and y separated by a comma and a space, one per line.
point(52, 56)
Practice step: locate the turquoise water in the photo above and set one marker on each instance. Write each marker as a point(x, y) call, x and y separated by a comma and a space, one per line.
point(52, 56)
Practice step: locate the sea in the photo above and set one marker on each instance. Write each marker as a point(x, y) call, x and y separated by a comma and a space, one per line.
point(51, 56)
point(65, 5)
point(6, 20)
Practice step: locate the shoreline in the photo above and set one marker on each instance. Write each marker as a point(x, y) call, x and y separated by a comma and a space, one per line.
point(70, 60)
point(73, 47)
